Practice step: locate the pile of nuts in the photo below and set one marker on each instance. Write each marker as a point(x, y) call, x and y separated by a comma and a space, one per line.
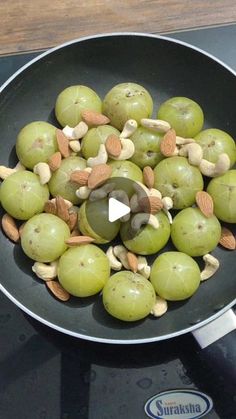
point(92, 185)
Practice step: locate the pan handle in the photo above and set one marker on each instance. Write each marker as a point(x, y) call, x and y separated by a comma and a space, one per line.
point(218, 342)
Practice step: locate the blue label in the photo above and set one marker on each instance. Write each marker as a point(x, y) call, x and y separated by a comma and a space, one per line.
point(178, 404)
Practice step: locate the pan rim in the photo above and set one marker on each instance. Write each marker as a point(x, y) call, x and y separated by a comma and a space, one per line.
point(116, 341)
point(41, 319)
point(111, 34)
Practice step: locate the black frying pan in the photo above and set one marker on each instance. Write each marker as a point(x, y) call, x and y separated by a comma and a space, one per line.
point(166, 68)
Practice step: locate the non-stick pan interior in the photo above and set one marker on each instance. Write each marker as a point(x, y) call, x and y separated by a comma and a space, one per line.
point(166, 68)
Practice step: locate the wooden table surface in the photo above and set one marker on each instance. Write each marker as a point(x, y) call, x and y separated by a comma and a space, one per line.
point(35, 25)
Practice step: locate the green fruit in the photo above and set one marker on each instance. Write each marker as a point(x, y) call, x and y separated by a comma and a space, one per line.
point(128, 296)
point(149, 240)
point(83, 270)
point(223, 192)
point(60, 183)
point(193, 233)
point(43, 237)
point(94, 138)
point(183, 114)
point(215, 142)
point(127, 101)
point(85, 227)
point(123, 173)
point(147, 147)
point(176, 178)
point(35, 143)
point(22, 195)
point(126, 169)
point(175, 276)
point(74, 99)
point(94, 222)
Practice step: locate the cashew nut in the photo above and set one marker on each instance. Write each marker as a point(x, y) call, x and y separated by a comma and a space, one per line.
point(68, 131)
point(193, 152)
point(102, 192)
point(80, 130)
point(77, 132)
point(7, 171)
point(44, 271)
point(115, 264)
point(88, 169)
point(155, 192)
point(160, 307)
point(129, 128)
point(145, 271)
point(167, 202)
point(143, 218)
point(211, 266)
point(142, 262)
point(167, 205)
point(43, 170)
point(19, 166)
point(101, 157)
point(153, 221)
point(121, 196)
point(156, 124)
point(222, 164)
point(121, 253)
point(215, 169)
point(127, 149)
point(143, 268)
point(83, 192)
point(141, 189)
point(182, 141)
point(134, 203)
point(75, 146)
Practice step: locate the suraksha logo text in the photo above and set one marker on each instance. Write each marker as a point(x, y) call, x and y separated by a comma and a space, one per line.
point(178, 404)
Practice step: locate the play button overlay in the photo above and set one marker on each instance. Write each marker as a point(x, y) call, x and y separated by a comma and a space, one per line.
point(116, 210)
point(104, 217)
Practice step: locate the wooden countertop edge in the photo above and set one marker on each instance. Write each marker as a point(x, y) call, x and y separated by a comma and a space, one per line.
point(163, 33)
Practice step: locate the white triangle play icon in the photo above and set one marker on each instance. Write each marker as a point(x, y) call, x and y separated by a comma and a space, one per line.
point(116, 209)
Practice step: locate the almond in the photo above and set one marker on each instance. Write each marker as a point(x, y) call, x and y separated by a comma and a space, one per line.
point(99, 175)
point(63, 143)
point(113, 145)
point(57, 290)
point(168, 143)
point(10, 228)
point(227, 239)
point(132, 261)
point(62, 209)
point(151, 204)
point(205, 203)
point(73, 219)
point(50, 207)
point(77, 240)
point(21, 229)
point(148, 177)
point(54, 161)
point(94, 118)
point(80, 177)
